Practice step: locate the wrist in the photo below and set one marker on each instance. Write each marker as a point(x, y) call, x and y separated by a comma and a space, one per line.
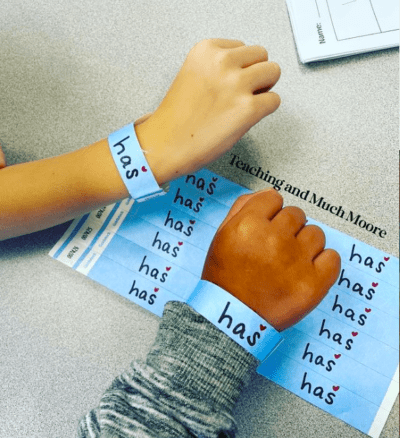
point(162, 151)
point(152, 146)
point(132, 164)
point(235, 319)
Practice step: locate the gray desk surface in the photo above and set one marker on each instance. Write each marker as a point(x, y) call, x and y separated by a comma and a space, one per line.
point(71, 72)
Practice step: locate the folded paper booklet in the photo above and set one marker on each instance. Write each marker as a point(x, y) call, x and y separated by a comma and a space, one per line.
point(325, 29)
point(343, 357)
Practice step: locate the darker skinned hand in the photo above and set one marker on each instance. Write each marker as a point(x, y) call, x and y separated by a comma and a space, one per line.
point(268, 258)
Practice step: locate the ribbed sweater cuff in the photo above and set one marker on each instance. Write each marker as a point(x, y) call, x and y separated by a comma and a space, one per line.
point(199, 360)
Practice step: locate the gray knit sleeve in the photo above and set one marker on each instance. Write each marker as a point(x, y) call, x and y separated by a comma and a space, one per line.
point(187, 387)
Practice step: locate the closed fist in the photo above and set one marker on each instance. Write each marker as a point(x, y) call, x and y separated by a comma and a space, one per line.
point(268, 258)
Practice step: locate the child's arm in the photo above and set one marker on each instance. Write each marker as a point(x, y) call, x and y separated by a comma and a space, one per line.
point(221, 91)
point(194, 373)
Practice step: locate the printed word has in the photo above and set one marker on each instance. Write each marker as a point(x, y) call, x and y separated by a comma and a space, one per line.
point(318, 391)
point(200, 183)
point(368, 261)
point(165, 246)
point(126, 160)
point(153, 272)
point(357, 287)
point(238, 329)
point(335, 337)
point(142, 295)
point(318, 360)
point(349, 313)
point(179, 225)
point(188, 202)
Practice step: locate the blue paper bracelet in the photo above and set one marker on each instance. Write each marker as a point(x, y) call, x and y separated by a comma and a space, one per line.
point(132, 164)
point(235, 319)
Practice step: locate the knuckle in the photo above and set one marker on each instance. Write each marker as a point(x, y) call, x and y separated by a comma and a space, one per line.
point(222, 58)
point(245, 228)
point(276, 99)
point(335, 256)
point(234, 79)
point(293, 210)
point(294, 213)
point(317, 232)
point(248, 105)
point(242, 198)
point(274, 193)
point(263, 52)
point(203, 43)
point(276, 69)
point(201, 48)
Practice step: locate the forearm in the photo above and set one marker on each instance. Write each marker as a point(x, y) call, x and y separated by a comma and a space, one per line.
point(188, 386)
point(44, 193)
point(47, 192)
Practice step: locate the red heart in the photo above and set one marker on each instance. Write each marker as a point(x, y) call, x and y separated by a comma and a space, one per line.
point(144, 169)
point(367, 310)
point(156, 289)
point(374, 284)
point(262, 327)
point(192, 221)
point(180, 243)
point(168, 268)
point(335, 388)
point(337, 356)
point(386, 258)
point(354, 333)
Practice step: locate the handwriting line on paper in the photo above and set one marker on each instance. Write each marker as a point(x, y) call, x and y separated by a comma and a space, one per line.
point(376, 18)
point(316, 4)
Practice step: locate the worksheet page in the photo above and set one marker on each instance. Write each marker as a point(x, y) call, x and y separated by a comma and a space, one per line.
point(325, 29)
point(343, 357)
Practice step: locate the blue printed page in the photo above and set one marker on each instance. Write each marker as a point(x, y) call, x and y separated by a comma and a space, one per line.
point(343, 357)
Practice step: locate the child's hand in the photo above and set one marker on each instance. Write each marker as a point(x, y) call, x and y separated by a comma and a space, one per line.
point(220, 92)
point(266, 257)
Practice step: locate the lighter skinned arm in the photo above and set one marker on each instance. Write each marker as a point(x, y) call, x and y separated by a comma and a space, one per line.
point(48, 192)
point(221, 91)
point(44, 193)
